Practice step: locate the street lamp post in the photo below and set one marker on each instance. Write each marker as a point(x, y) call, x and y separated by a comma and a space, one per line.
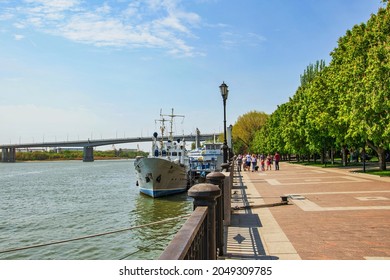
point(224, 92)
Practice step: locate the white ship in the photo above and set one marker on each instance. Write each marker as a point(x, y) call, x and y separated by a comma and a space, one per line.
point(165, 171)
point(204, 159)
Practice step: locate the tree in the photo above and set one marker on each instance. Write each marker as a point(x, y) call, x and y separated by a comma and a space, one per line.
point(311, 72)
point(268, 139)
point(245, 128)
point(361, 65)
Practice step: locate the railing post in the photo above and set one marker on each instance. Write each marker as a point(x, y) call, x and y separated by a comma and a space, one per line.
point(217, 178)
point(206, 195)
point(225, 166)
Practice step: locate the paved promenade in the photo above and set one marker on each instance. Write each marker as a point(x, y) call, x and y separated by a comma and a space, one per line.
point(332, 214)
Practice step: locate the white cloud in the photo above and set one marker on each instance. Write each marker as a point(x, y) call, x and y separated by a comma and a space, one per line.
point(19, 25)
point(231, 39)
point(18, 37)
point(105, 9)
point(150, 23)
point(49, 6)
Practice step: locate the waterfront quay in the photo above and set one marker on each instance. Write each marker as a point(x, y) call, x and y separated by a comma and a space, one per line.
point(296, 213)
point(332, 214)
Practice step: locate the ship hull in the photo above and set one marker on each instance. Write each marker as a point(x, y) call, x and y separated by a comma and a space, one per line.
point(159, 177)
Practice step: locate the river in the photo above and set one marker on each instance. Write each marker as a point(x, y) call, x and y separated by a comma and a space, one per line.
point(42, 202)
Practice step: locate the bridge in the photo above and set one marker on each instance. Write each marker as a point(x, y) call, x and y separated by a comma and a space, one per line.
point(8, 152)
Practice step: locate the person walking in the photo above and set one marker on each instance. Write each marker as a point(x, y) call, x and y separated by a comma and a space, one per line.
point(254, 162)
point(269, 160)
point(239, 162)
point(262, 164)
point(248, 160)
point(277, 159)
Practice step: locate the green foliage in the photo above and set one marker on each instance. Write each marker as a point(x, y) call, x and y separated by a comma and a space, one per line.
point(311, 72)
point(245, 128)
point(381, 173)
point(76, 155)
point(344, 104)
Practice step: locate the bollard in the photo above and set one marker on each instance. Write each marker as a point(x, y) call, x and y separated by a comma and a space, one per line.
point(206, 195)
point(225, 166)
point(217, 178)
point(284, 199)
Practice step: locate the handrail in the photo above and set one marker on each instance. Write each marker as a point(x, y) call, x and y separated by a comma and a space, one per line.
point(183, 241)
point(202, 236)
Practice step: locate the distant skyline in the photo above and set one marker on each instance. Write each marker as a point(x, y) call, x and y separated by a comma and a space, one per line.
point(75, 69)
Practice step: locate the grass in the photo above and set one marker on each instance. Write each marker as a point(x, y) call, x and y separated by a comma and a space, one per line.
point(380, 173)
point(327, 165)
point(372, 171)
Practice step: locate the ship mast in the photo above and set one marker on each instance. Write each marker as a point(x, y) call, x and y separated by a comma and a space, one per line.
point(172, 115)
point(162, 128)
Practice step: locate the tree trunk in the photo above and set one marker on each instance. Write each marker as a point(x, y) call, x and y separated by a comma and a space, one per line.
point(323, 156)
point(332, 155)
point(381, 155)
point(344, 152)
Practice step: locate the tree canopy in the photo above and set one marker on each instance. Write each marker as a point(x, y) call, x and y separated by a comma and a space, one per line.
point(342, 105)
point(245, 128)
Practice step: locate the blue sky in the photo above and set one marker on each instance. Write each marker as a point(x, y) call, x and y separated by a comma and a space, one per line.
point(76, 69)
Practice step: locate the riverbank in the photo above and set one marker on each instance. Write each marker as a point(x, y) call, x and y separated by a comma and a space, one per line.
point(76, 155)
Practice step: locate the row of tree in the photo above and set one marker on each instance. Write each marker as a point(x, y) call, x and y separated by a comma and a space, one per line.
point(76, 155)
point(339, 106)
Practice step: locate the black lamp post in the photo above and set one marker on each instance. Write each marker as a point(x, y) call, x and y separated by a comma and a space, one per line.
point(224, 92)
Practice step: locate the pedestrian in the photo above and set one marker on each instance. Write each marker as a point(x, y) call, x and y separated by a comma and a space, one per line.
point(239, 162)
point(262, 164)
point(254, 162)
point(248, 160)
point(268, 162)
point(277, 159)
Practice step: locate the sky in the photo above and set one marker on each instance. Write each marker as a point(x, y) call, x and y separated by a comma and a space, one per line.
point(77, 69)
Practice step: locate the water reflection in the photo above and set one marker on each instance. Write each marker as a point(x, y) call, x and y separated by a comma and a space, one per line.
point(63, 200)
point(152, 240)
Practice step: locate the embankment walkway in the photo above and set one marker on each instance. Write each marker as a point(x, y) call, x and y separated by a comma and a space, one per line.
point(332, 214)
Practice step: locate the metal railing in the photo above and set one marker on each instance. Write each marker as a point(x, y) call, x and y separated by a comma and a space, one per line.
point(190, 243)
point(202, 236)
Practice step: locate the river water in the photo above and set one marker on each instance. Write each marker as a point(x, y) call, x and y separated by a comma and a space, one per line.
point(42, 202)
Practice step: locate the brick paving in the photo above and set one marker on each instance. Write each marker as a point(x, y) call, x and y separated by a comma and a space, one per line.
point(333, 214)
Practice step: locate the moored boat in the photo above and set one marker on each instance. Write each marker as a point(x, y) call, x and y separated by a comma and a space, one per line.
point(165, 171)
point(204, 160)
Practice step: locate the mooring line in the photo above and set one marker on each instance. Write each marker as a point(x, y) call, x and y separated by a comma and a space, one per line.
point(144, 247)
point(91, 236)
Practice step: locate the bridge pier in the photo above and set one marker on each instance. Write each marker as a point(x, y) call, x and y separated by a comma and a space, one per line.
point(8, 154)
point(88, 154)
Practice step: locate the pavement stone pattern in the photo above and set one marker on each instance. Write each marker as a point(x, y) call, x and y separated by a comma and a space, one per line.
point(332, 214)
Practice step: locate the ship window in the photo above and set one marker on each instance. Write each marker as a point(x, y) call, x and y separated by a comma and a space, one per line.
point(174, 154)
point(179, 154)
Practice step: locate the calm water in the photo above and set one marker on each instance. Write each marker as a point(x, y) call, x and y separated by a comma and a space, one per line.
point(50, 201)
